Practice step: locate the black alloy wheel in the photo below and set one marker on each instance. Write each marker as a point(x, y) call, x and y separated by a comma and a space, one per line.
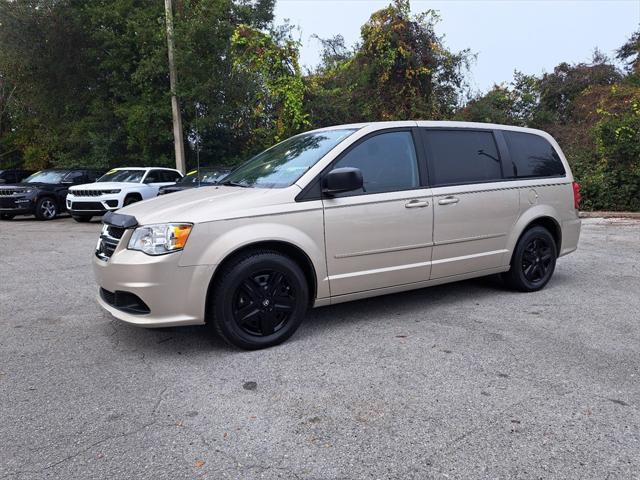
point(536, 259)
point(259, 300)
point(46, 209)
point(263, 303)
point(533, 261)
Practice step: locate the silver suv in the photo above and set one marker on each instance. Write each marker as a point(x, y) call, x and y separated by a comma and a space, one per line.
point(339, 214)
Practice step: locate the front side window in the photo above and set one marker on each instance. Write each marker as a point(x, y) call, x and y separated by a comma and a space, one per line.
point(47, 176)
point(461, 157)
point(282, 165)
point(387, 161)
point(74, 177)
point(533, 156)
point(129, 176)
point(154, 176)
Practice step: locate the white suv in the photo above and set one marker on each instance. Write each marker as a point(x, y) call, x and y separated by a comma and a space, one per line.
point(117, 188)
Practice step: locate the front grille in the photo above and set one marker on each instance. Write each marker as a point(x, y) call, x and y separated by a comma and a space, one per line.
point(125, 301)
point(87, 193)
point(86, 206)
point(108, 242)
point(7, 192)
point(115, 232)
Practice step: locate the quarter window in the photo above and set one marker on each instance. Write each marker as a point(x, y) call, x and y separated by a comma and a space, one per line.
point(462, 156)
point(387, 161)
point(532, 156)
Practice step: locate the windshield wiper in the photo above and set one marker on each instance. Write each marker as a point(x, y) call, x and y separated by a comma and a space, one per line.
point(231, 183)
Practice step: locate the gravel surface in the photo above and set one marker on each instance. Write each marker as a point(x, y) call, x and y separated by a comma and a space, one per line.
point(457, 381)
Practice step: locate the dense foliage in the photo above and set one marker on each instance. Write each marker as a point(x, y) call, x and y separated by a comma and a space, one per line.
point(86, 83)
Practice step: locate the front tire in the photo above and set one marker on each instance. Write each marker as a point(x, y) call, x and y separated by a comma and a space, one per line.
point(131, 199)
point(533, 262)
point(259, 300)
point(46, 209)
point(82, 218)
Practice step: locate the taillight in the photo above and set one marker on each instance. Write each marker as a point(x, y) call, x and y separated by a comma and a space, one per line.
point(576, 195)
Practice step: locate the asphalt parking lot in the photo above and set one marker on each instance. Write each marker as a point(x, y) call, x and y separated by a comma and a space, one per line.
point(458, 381)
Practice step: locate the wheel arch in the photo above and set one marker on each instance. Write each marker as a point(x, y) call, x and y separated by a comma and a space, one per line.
point(133, 193)
point(294, 252)
point(544, 216)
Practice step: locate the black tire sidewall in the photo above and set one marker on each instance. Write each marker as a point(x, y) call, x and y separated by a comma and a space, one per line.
point(130, 199)
point(522, 282)
point(226, 289)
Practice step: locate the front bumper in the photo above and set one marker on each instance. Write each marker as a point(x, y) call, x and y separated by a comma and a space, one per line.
point(92, 205)
point(17, 205)
point(174, 295)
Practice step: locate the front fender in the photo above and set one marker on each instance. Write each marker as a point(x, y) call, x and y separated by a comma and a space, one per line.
point(210, 243)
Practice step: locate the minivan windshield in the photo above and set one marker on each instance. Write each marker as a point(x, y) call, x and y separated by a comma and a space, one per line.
point(47, 176)
point(131, 176)
point(281, 165)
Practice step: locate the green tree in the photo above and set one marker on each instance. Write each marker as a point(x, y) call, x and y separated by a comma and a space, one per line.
point(400, 70)
point(277, 107)
point(91, 82)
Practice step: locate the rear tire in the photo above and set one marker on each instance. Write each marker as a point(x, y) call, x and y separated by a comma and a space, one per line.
point(46, 209)
point(533, 261)
point(259, 300)
point(6, 216)
point(82, 218)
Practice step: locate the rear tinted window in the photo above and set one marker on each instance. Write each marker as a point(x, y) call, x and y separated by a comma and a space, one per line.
point(533, 156)
point(462, 156)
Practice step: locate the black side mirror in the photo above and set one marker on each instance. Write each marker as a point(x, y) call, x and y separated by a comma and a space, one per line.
point(344, 179)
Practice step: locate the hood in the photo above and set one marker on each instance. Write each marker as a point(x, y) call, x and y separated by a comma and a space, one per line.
point(198, 205)
point(25, 186)
point(103, 186)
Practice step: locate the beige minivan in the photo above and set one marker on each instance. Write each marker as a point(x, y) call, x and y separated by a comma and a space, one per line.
point(339, 214)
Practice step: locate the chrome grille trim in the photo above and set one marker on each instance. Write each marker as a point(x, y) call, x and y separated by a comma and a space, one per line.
point(108, 241)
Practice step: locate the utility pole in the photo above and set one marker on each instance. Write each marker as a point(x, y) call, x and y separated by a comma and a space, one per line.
point(175, 104)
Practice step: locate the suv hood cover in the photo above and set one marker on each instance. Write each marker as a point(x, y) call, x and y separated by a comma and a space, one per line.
point(197, 205)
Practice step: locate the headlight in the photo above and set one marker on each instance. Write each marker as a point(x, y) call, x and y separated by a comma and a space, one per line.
point(160, 239)
point(111, 191)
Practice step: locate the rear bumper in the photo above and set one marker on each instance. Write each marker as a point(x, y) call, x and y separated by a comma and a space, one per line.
point(570, 235)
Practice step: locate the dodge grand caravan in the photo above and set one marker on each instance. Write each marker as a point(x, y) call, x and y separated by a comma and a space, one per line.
point(339, 214)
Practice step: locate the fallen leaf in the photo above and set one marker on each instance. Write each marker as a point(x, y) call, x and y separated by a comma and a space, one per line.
point(199, 463)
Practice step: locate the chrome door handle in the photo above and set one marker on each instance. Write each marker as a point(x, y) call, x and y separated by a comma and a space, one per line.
point(416, 204)
point(448, 201)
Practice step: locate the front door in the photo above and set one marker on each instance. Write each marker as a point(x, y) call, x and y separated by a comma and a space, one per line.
point(473, 210)
point(380, 236)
